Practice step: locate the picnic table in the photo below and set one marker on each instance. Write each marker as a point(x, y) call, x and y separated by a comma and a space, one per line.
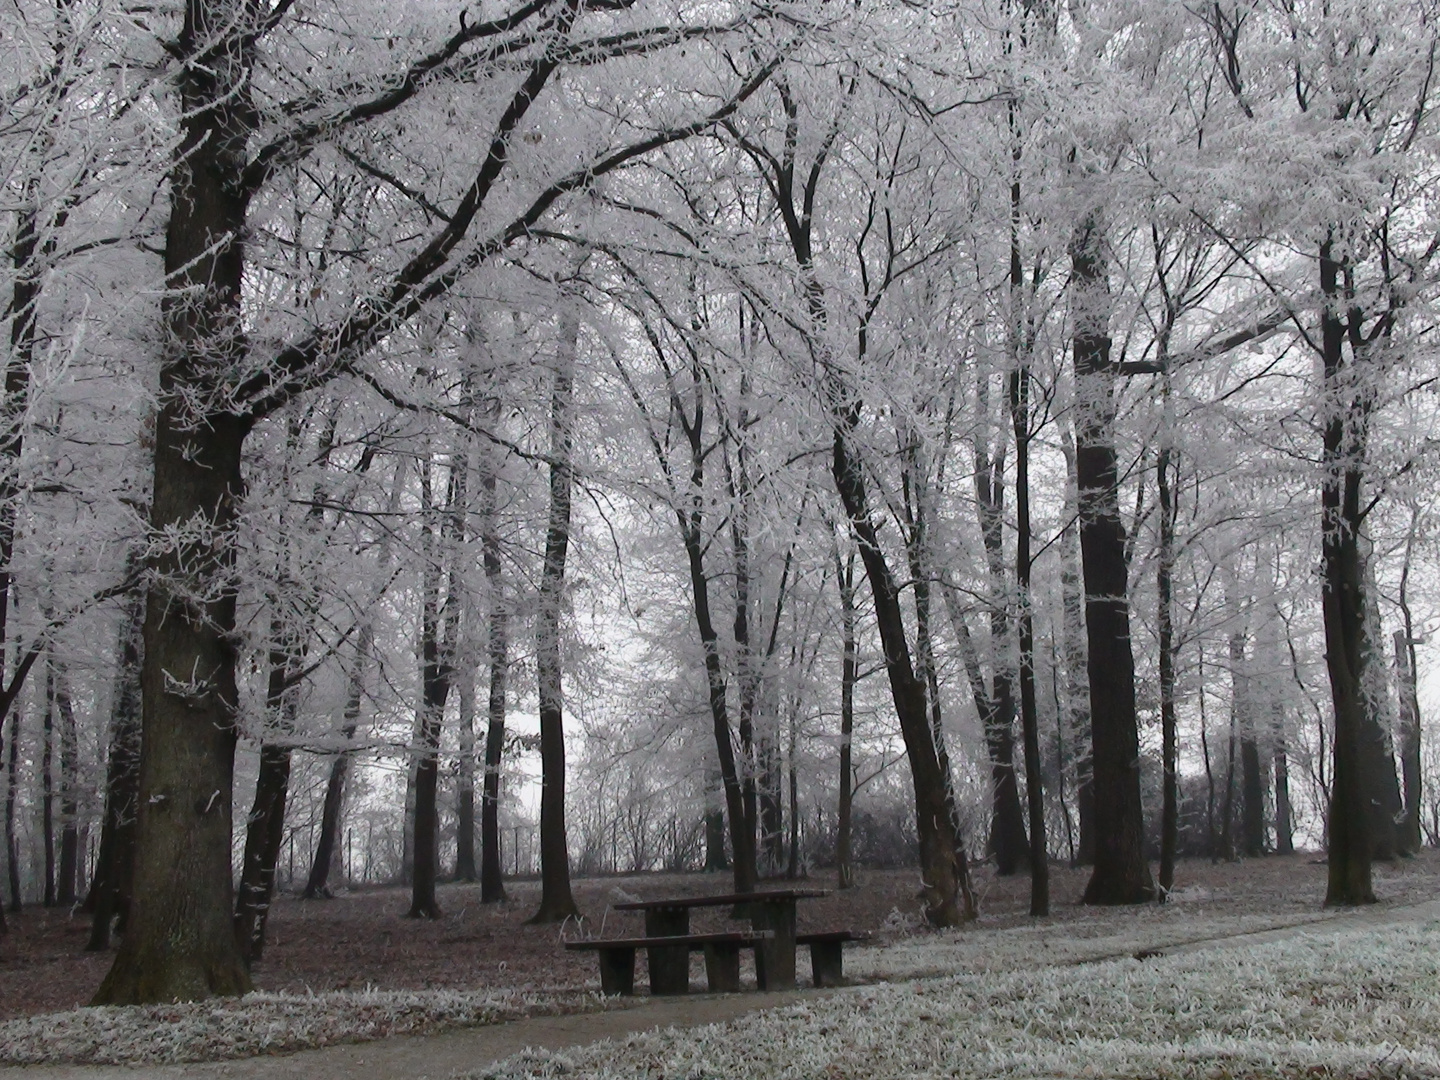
point(771, 913)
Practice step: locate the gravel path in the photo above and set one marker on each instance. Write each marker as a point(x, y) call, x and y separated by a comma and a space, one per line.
point(437, 1057)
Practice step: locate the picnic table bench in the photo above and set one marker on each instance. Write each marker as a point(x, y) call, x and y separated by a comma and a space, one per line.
point(669, 958)
point(770, 910)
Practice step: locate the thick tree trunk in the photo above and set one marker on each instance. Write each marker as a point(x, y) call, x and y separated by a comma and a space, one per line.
point(1121, 874)
point(179, 942)
point(1252, 788)
point(179, 939)
point(556, 901)
point(1346, 422)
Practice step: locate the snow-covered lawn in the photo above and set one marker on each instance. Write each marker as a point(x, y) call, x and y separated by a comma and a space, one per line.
point(1354, 1004)
point(262, 1024)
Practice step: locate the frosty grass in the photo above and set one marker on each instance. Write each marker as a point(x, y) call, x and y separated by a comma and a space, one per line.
point(1357, 1004)
point(262, 1023)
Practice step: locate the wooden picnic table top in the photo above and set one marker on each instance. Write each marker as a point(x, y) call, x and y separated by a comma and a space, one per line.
point(760, 896)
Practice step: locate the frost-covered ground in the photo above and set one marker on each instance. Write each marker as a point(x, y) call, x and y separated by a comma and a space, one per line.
point(261, 1024)
point(364, 942)
point(1085, 935)
point(1363, 1003)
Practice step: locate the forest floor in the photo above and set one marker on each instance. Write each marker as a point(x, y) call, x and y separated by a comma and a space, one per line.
point(354, 968)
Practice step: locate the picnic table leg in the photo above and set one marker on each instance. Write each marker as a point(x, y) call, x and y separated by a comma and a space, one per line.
point(722, 967)
point(617, 970)
point(775, 957)
point(670, 964)
point(827, 963)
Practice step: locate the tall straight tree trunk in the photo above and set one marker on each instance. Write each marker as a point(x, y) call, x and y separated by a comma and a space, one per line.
point(1410, 761)
point(439, 633)
point(1407, 683)
point(1165, 604)
point(1007, 842)
point(330, 814)
point(849, 673)
point(1121, 874)
point(1284, 817)
point(1252, 787)
point(110, 888)
point(1029, 712)
point(1019, 335)
point(1346, 423)
point(68, 886)
point(1077, 668)
point(1382, 783)
point(465, 869)
point(556, 901)
point(179, 942)
point(497, 648)
point(12, 793)
point(318, 883)
point(265, 825)
point(47, 786)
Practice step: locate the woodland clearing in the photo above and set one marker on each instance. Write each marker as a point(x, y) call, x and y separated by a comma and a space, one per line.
point(353, 969)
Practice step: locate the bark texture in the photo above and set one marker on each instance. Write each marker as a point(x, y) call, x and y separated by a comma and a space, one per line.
point(1121, 874)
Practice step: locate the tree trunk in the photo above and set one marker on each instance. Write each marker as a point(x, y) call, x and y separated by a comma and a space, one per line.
point(1346, 424)
point(465, 869)
point(179, 939)
point(1077, 668)
point(1252, 787)
point(849, 672)
point(1029, 714)
point(1007, 840)
point(68, 886)
point(179, 942)
point(556, 901)
point(1284, 824)
point(1382, 783)
point(318, 884)
point(497, 648)
point(1165, 604)
point(1121, 874)
point(437, 653)
point(949, 899)
point(47, 786)
point(1410, 761)
point(12, 792)
point(330, 814)
point(110, 888)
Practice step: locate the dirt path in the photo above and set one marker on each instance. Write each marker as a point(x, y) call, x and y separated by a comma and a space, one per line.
point(436, 1057)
